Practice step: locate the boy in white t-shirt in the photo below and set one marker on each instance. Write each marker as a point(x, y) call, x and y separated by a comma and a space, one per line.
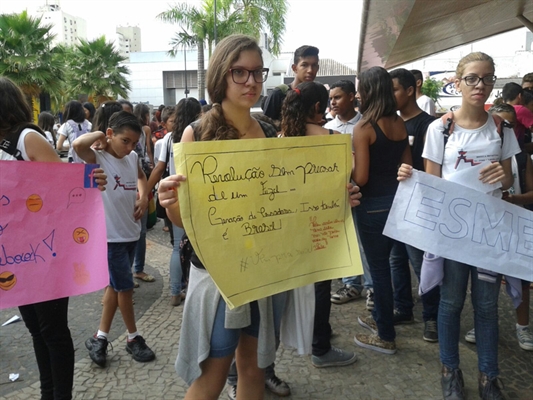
point(123, 211)
point(424, 102)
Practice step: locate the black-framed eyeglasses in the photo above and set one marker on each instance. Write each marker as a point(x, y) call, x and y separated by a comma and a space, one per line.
point(473, 80)
point(241, 75)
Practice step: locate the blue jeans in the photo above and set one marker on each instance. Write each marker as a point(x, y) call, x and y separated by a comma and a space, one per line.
point(485, 303)
point(140, 249)
point(278, 307)
point(355, 281)
point(175, 262)
point(401, 278)
point(120, 260)
point(372, 215)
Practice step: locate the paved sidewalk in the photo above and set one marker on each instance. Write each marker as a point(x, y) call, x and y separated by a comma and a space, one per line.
point(413, 373)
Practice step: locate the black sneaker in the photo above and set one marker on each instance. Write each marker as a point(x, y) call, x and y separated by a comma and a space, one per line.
point(277, 386)
point(97, 350)
point(452, 384)
point(431, 333)
point(490, 388)
point(403, 318)
point(139, 350)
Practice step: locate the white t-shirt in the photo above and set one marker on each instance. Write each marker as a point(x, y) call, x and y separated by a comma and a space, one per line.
point(158, 148)
point(71, 134)
point(515, 189)
point(20, 146)
point(343, 127)
point(426, 104)
point(49, 137)
point(167, 145)
point(468, 147)
point(120, 196)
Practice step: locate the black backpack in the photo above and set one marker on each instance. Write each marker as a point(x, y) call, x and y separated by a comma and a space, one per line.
point(9, 143)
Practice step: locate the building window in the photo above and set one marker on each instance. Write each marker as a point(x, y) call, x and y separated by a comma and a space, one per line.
point(176, 79)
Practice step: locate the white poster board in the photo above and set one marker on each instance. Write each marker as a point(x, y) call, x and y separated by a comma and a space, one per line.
point(462, 224)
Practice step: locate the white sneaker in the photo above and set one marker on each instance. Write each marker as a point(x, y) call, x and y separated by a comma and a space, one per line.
point(232, 392)
point(345, 294)
point(525, 338)
point(470, 336)
point(370, 299)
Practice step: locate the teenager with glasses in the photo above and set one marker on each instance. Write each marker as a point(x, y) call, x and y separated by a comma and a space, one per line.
point(207, 345)
point(209, 341)
point(475, 133)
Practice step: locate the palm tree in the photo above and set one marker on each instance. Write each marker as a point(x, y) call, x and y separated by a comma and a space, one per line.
point(243, 16)
point(26, 54)
point(265, 15)
point(94, 69)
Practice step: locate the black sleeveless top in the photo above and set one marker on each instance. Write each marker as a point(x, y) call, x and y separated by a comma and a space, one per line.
point(269, 132)
point(385, 158)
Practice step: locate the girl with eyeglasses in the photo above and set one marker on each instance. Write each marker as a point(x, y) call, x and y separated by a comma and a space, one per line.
point(209, 340)
point(474, 139)
point(207, 346)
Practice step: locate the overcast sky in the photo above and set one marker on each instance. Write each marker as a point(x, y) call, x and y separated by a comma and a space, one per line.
point(307, 22)
point(332, 25)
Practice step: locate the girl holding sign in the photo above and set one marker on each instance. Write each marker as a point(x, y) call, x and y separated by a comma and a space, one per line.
point(47, 321)
point(210, 334)
point(473, 139)
point(208, 342)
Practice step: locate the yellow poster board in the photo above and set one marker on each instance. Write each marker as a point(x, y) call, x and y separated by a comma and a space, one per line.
point(269, 215)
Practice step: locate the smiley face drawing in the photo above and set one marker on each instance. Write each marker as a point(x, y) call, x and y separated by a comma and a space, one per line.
point(7, 280)
point(34, 203)
point(80, 235)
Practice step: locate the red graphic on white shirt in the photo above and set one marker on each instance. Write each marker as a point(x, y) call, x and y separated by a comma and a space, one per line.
point(118, 184)
point(462, 156)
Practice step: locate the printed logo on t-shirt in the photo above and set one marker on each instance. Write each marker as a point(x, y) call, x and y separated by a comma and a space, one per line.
point(462, 156)
point(126, 186)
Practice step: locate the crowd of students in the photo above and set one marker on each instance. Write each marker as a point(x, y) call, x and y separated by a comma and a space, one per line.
point(391, 136)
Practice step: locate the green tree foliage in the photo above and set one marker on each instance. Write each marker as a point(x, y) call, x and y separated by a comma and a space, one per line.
point(94, 68)
point(431, 88)
point(197, 25)
point(27, 56)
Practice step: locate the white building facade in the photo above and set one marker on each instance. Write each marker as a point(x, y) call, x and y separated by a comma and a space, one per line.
point(128, 40)
point(66, 28)
point(158, 78)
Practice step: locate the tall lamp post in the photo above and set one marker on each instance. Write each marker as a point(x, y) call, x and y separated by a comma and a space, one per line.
point(215, 22)
point(185, 64)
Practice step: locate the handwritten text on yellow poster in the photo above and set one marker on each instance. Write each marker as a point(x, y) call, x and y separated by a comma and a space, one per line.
point(269, 215)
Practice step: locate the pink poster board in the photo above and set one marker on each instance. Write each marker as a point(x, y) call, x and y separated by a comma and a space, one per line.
point(52, 232)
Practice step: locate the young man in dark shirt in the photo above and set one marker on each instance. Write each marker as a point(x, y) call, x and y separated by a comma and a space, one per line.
point(305, 68)
point(416, 124)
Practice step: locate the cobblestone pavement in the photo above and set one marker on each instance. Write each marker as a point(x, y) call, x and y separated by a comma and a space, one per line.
point(413, 373)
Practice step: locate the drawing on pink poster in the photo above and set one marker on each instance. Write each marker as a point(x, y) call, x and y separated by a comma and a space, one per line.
point(52, 232)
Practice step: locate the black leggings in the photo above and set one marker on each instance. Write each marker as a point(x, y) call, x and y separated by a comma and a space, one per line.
point(54, 350)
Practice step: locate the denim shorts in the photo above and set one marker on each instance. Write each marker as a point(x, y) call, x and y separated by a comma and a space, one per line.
point(224, 341)
point(120, 259)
